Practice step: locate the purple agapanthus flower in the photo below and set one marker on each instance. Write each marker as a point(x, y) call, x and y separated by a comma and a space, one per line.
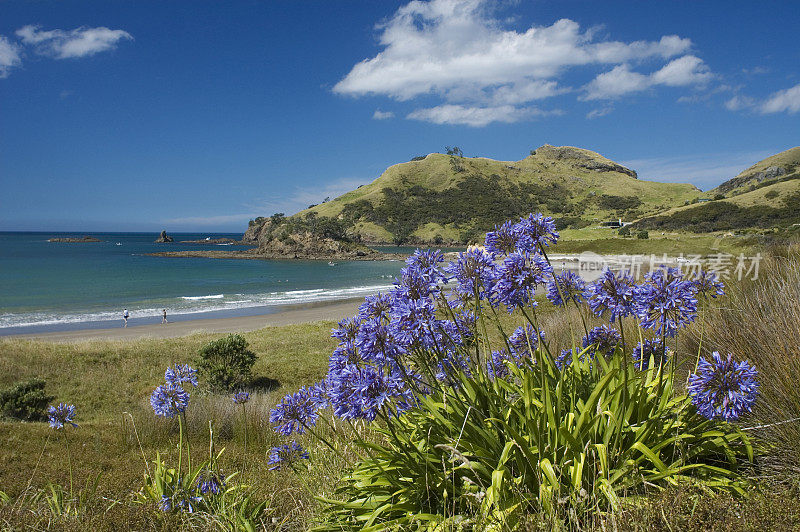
point(178, 374)
point(524, 341)
point(295, 413)
point(723, 388)
point(474, 272)
point(61, 415)
point(377, 307)
point(286, 456)
point(602, 340)
point(210, 482)
point(241, 398)
point(496, 365)
point(570, 287)
point(612, 295)
point(449, 366)
point(517, 278)
point(665, 302)
point(707, 284)
point(535, 231)
point(654, 349)
point(169, 400)
point(503, 240)
point(347, 330)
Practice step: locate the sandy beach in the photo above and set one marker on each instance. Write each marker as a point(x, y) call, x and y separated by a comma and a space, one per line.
point(290, 315)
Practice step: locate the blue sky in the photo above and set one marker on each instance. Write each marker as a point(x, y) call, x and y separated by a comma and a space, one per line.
point(201, 115)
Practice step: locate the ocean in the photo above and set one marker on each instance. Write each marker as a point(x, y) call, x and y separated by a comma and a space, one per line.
point(48, 286)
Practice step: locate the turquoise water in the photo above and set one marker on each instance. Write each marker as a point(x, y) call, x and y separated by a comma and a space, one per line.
point(57, 286)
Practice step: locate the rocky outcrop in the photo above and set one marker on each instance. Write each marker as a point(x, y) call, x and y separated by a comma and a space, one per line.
point(582, 159)
point(164, 238)
point(75, 240)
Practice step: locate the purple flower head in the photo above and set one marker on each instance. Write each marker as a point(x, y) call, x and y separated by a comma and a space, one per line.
point(417, 283)
point(474, 271)
point(723, 388)
point(375, 307)
point(210, 482)
point(503, 240)
point(178, 374)
point(426, 260)
point(602, 340)
point(496, 365)
point(295, 412)
point(517, 278)
point(535, 230)
point(375, 342)
point(565, 358)
point(360, 393)
point(345, 354)
point(524, 341)
point(612, 294)
point(347, 330)
point(706, 284)
point(241, 398)
point(286, 456)
point(169, 400)
point(448, 368)
point(570, 287)
point(412, 319)
point(61, 415)
point(654, 349)
point(666, 301)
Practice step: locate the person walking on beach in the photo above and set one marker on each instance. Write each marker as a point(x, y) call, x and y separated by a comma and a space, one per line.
point(164, 316)
point(125, 317)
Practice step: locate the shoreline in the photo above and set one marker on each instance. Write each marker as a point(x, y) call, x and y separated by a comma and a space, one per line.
point(287, 315)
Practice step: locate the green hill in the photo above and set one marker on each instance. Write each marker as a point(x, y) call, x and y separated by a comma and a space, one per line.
point(452, 199)
point(784, 166)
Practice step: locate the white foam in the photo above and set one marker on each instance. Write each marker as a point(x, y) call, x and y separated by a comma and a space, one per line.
point(197, 298)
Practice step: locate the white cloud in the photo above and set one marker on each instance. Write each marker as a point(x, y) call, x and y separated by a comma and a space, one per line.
point(9, 56)
point(621, 80)
point(739, 102)
point(787, 100)
point(80, 42)
point(458, 51)
point(597, 113)
point(477, 116)
point(382, 115)
point(301, 197)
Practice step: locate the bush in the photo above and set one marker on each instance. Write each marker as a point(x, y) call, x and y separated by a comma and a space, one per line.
point(26, 401)
point(226, 363)
point(624, 231)
point(643, 235)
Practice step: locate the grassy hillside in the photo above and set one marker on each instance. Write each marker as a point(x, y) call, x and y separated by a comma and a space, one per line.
point(783, 166)
point(446, 198)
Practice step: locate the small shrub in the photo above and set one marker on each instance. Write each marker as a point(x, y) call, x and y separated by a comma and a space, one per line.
point(26, 401)
point(772, 194)
point(226, 363)
point(624, 231)
point(643, 235)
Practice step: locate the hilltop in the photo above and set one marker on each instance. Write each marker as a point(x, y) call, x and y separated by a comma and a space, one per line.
point(765, 196)
point(449, 198)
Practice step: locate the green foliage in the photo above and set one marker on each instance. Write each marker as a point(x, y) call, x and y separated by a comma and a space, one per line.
point(772, 194)
point(26, 401)
point(726, 216)
point(226, 363)
point(61, 502)
point(490, 451)
point(624, 231)
point(719, 197)
point(643, 235)
point(618, 203)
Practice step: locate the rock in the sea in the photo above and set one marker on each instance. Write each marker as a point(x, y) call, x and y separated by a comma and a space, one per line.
point(75, 240)
point(163, 238)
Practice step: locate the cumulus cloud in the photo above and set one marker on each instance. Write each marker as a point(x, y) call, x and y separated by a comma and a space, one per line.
point(80, 42)
point(9, 56)
point(597, 113)
point(382, 115)
point(739, 102)
point(787, 100)
point(477, 116)
point(621, 80)
point(458, 51)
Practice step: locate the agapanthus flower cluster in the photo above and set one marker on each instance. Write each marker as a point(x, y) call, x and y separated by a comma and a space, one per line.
point(61, 415)
point(566, 357)
point(504, 239)
point(286, 456)
point(170, 399)
point(182, 500)
point(363, 393)
point(723, 388)
point(570, 287)
point(517, 279)
point(210, 482)
point(179, 374)
point(524, 341)
point(531, 233)
point(612, 295)
point(295, 413)
point(666, 301)
point(650, 349)
point(449, 367)
point(474, 272)
point(241, 398)
point(602, 340)
point(707, 284)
